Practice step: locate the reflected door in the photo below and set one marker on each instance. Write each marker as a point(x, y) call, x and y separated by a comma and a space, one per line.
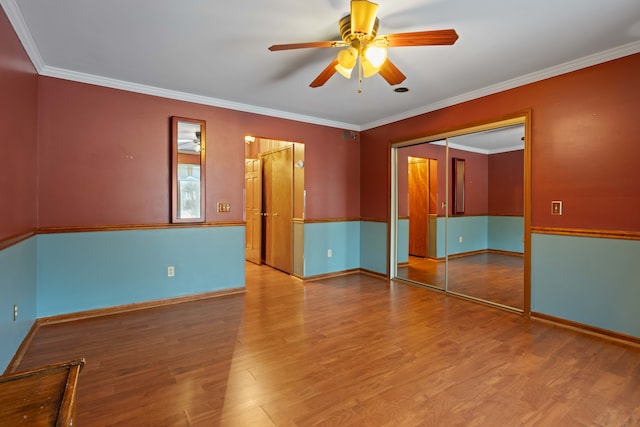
point(418, 182)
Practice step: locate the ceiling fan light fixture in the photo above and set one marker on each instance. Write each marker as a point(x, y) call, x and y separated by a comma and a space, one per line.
point(363, 16)
point(345, 72)
point(347, 59)
point(376, 55)
point(368, 69)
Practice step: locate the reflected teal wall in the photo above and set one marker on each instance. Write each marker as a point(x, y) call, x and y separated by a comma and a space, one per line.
point(593, 281)
point(342, 238)
point(472, 229)
point(17, 286)
point(506, 233)
point(402, 255)
point(84, 271)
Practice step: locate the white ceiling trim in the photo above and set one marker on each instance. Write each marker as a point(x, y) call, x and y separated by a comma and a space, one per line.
point(15, 17)
point(587, 61)
point(189, 97)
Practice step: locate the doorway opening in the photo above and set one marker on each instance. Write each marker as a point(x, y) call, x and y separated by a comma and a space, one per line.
point(274, 200)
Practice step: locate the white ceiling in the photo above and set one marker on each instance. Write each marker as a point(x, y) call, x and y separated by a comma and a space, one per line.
point(215, 52)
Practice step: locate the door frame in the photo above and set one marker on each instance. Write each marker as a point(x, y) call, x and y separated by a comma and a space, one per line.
point(522, 117)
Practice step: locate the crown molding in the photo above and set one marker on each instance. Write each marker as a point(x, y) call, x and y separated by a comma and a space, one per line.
point(567, 67)
point(189, 97)
point(14, 15)
point(17, 21)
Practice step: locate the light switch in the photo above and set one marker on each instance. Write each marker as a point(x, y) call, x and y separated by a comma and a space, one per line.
point(223, 207)
point(556, 207)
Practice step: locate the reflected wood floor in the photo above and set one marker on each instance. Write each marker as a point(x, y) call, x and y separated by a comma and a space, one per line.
point(494, 277)
point(353, 350)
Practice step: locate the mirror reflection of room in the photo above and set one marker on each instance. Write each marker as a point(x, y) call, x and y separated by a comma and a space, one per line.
point(477, 251)
point(188, 183)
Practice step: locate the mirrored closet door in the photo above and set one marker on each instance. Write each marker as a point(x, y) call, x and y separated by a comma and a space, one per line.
point(458, 217)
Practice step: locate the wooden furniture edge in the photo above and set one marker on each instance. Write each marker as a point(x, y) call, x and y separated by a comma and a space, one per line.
point(584, 328)
point(125, 308)
point(67, 406)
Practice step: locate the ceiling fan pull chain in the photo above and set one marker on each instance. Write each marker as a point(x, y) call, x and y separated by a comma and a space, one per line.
point(359, 74)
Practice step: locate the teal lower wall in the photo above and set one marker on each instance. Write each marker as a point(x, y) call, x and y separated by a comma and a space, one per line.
point(593, 281)
point(373, 246)
point(85, 271)
point(506, 233)
point(472, 229)
point(503, 233)
point(17, 286)
point(342, 238)
point(402, 255)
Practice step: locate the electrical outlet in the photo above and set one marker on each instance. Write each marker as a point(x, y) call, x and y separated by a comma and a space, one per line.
point(329, 253)
point(171, 271)
point(15, 312)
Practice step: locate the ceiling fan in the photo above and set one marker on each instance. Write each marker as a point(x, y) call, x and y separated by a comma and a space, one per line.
point(364, 49)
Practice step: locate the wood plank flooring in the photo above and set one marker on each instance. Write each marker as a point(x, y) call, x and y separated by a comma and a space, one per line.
point(353, 351)
point(494, 277)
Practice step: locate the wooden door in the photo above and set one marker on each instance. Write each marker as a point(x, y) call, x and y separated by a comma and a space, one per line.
point(419, 206)
point(278, 208)
point(253, 210)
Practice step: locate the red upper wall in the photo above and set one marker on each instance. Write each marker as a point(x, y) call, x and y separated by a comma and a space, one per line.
point(506, 183)
point(18, 124)
point(584, 145)
point(105, 159)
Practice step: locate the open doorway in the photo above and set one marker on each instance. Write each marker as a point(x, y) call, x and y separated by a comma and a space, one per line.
point(274, 199)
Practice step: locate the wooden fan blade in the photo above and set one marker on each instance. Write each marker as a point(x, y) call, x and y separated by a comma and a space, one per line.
point(325, 74)
point(391, 73)
point(304, 45)
point(422, 38)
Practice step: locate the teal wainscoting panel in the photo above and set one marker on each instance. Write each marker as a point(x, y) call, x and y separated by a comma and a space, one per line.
point(439, 238)
point(506, 233)
point(593, 281)
point(472, 229)
point(18, 275)
point(84, 271)
point(342, 238)
point(374, 246)
point(403, 241)
point(298, 249)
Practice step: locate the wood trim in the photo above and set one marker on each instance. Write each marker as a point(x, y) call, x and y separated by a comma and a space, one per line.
point(604, 234)
point(342, 273)
point(330, 275)
point(386, 221)
point(325, 220)
point(17, 357)
point(123, 227)
point(125, 308)
point(481, 251)
point(14, 240)
point(581, 327)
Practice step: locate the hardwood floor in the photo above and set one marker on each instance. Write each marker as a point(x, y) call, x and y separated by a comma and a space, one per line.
point(493, 277)
point(352, 350)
